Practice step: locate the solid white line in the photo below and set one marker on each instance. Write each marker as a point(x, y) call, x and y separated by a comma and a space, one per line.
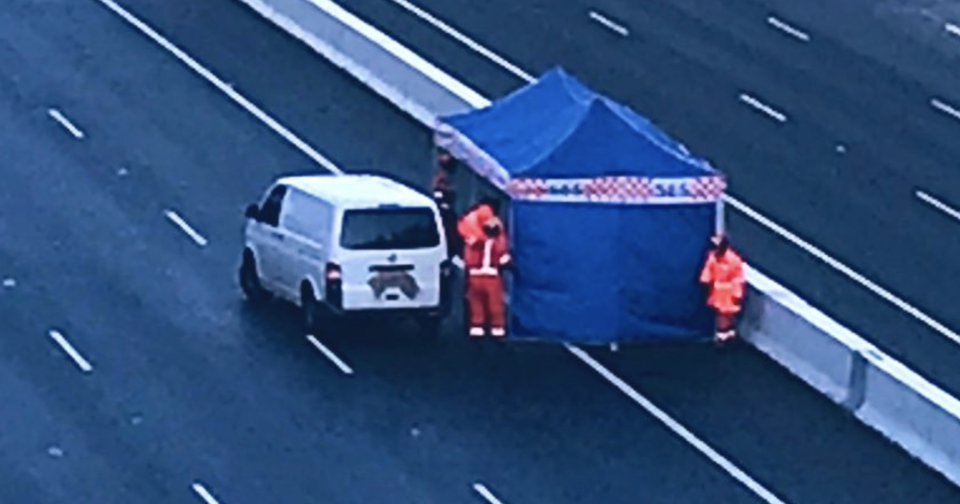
point(953, 29)
point(65, 345)
point(330, 355)
point(225, 88)
point(204, 494)
point(945, 108)
point(786, 28)
point(605, 21)
point(939, 205)
point(846, 270)
point(463, 39)
point(58, 116)
point(182, 224)
point(677, 428)
point(485, 492)
point(763, 107)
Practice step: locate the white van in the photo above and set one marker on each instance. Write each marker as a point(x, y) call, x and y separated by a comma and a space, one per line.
point(347, 245)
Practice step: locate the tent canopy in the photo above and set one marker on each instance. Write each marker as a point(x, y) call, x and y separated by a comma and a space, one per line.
point(611, 218)
point(557, 127)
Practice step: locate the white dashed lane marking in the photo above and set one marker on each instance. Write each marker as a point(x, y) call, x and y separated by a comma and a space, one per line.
point(946, 108)
point(186, 228)
point(342, 366)
point(71, 352)
point(763, 107)
point(788, 29)
point(62, 120)
point(204, 494)
point(485, 492)
point(610, 24)
point(952, 29)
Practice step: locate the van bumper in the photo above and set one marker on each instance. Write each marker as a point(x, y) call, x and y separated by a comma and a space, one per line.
point(439, 311)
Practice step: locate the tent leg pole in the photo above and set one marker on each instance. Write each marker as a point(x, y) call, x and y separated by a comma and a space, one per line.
point(720, 223)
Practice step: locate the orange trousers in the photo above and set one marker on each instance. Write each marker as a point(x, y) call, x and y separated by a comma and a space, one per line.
point(485, 306)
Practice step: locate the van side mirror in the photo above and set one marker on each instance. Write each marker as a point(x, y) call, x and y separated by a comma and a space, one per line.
point(252, 212)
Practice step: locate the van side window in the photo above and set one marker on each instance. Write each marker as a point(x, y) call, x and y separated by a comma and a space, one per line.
point(270, 213)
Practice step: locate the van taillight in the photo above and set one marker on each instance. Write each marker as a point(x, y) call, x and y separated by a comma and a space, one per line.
point(332, 272)
point(334, 285)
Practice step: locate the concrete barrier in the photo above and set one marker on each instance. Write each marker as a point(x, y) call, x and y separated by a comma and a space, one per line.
point(811, 345)
point(371, 56)
point(912, 412)
point(882, 392)
point(878, 390)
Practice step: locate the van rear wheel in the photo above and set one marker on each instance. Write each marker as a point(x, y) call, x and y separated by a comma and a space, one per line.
point(250, 280)
point(310, 310)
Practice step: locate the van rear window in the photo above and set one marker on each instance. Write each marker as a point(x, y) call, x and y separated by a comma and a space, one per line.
point(389, 228)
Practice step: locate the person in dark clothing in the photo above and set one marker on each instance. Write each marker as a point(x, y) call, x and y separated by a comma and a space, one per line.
point(445, 196)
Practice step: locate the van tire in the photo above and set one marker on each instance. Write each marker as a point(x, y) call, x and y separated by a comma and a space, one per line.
point(249, 279)
point(310, 309)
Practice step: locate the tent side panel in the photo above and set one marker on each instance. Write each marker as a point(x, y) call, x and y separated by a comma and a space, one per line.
point(662, 250)
point(565, 270)
point(604, 273)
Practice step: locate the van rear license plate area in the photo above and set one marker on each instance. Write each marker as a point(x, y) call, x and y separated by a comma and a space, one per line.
point(391, 277)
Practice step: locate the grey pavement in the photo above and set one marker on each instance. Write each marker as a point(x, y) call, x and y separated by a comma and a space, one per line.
point(189, 385)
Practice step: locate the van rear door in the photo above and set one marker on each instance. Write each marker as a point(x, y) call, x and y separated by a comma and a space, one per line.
point(390, 257)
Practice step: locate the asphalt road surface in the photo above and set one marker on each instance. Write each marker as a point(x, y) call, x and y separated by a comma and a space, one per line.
point(130, 369)
point(839, 120)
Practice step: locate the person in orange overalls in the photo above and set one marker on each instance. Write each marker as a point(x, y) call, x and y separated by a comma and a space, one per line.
point(483, 261)
point(723, 274)
point(470, 226)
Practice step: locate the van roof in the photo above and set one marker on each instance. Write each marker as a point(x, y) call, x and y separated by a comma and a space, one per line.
point(357, 190)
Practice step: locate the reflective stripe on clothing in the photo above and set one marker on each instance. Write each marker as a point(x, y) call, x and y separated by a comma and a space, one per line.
point(487, 266)
point(726, 335)
point(487, 252)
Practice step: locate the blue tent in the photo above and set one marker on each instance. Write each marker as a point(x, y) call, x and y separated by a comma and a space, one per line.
point(610, 219)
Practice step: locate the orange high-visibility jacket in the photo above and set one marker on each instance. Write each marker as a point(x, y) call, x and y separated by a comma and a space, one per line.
point(471, 224)
point(725, 276)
